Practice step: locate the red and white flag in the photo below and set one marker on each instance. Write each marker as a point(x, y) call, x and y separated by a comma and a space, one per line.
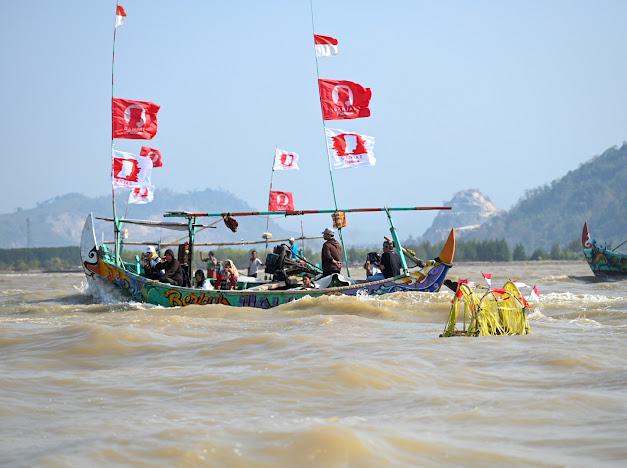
point(153, 154)
point(488, 278)
point(285, 160)
point(350, 149)
point(141, 195)
point(135, 120)
point(120, 16)
point(129, 170)
point(534, 295)
point(326, 45)
point(343, 100)
point(281, 201)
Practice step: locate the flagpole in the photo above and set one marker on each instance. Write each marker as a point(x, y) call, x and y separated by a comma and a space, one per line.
point(270, 190)
point(116, 230)
point(324, 133)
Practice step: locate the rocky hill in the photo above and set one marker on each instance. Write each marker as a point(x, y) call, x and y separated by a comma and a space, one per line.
point(59, 221)
point(470, 209)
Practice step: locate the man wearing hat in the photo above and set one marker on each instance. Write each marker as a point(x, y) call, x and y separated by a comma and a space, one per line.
point(331, 253)
point(149, 262)
point(293, 247)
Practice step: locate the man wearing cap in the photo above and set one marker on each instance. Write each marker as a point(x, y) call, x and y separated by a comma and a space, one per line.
point(149, 262)
point(331, 253)
point(293, 247)
point(173, 272)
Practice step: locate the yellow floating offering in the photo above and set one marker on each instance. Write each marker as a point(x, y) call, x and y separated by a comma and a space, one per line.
point(481, 311)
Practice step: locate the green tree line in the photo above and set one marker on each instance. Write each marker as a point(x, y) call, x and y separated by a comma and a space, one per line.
point(40, 258)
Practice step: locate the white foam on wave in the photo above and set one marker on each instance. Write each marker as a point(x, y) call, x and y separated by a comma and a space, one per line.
point(585, 322)
point(568, 297)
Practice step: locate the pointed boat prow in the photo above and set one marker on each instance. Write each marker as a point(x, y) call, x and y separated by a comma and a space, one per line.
point(447, 254)
point(585, 236)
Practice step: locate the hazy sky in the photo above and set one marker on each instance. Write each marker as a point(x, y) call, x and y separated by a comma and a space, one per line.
point(501, 96)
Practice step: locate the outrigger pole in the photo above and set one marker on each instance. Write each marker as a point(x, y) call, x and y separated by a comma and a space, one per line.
point(324, 134)
point(185, 214)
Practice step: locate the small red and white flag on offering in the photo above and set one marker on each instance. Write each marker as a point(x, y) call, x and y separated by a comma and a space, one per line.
point(534, 295)
point(128, 170)
point(285, 161)
point(135, 120)
point(488, 278)
point(343, 100)
point(350, 149)
point(141, 195)
point(153, 154)
point(120, 16)
point(326, 45)
point(281, 201)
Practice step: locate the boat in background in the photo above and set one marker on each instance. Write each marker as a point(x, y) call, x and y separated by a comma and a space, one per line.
point(604, 262)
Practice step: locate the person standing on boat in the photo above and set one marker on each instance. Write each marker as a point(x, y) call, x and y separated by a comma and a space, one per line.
point(212, 265)
point(294, 248)
point(253, 264)
point(331, 253)
point(390, 262)
point(173, 273)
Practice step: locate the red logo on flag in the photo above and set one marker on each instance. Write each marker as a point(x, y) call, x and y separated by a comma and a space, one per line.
point(136, 120)
point(153, 154)
point(343, 100)
point(281, 201)
point(126, 169)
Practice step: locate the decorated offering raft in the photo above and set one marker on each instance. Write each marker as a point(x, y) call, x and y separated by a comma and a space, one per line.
point(604, 261)
point(103, 267)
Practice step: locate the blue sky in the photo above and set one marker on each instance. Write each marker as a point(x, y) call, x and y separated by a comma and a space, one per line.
point(500, 96)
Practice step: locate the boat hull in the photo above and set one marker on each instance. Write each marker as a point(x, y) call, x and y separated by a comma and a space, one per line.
point(603, 262)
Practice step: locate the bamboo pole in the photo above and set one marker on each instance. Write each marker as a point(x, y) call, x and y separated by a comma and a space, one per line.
point(184, 214)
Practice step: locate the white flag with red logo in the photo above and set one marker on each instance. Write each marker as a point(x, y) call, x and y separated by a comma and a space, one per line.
point(285, 160)
point(141, 195)
point(281, 201)
point(326, 45)
point(349, 149)
point(534, 295)
point(129, 170)
point(136, 120)
point(488, 278)
point(153, 154)
point(120, 16)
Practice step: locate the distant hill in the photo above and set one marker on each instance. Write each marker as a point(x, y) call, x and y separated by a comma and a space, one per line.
point(59, 221)
point(596, 191)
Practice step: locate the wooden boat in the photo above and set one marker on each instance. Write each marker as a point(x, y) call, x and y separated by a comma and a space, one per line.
point(604, 262)
point(103, 268)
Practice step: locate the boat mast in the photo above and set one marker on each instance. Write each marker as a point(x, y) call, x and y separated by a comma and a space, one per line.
point(324, 134)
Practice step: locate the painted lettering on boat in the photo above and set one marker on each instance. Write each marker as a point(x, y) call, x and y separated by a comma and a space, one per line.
point(263, 302)
point(176, 298)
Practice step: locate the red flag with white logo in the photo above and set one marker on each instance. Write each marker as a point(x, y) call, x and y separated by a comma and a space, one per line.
point(135, 120)
point(343, 100)
point(120, 16)
point(153, 154)
point(141, 195)
point(281, 201)
point(285, 160)
point(349, 149)
point(129, 170)
point(326, 45)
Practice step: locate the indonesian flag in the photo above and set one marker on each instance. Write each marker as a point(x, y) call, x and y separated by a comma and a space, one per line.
point(326, 45)
point(141, 195)
point(350, 149)
point(120, 16)
point(135, 120)
point(534, 295)
point(129, 170)
point(153, 154)
point(281, 201)
point(488, 278)
point(285, 161)
point(343, 100)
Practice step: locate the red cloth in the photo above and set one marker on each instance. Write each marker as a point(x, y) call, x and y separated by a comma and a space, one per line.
point(281, 201)
point(154, 154)
point(135, 120)
point(341, 99)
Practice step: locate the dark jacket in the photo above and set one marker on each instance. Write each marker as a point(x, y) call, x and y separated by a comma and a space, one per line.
point(173, 271)
point(331, 250)
point(391, 263)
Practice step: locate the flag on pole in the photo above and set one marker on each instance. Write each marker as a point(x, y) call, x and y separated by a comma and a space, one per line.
point(285, 161)
point(534, 295)
point(141, 195)
point(343, 100)
point(326, 45)
point(135, 120)
point(488, 278)
point(129, 170)
point(153, 154)
point(281, 201)
point(350, 149)
point(120, 16)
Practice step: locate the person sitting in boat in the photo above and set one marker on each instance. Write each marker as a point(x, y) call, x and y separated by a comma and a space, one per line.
point(228, 276)
point(308, 282)
point(149, 262)
point(200, 282)
point(390, 261)
point(294, 248)
point(173, 273)
point(331, 253)
point(212, 265)
point(373, 272)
